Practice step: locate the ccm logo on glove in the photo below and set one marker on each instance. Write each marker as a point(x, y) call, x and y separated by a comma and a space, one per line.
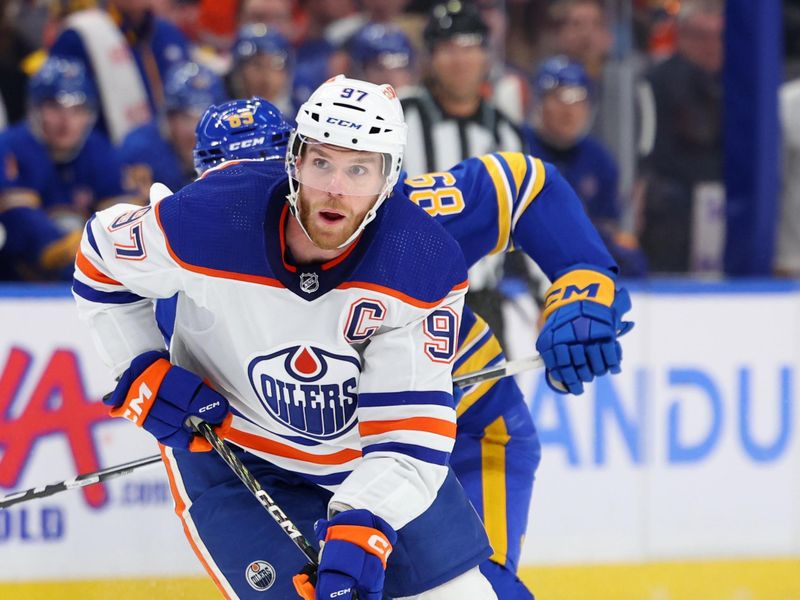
point(135, 408)
point(160, 397)
point(581, 284)
point(381, 546)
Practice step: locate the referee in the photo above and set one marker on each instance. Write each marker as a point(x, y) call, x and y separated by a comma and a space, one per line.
point(450, 119)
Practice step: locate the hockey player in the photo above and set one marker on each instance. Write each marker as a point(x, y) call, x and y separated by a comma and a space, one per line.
point(497, 449)
point(251, 129)
point(326, 330)
point(364, 323)
point(162, 149)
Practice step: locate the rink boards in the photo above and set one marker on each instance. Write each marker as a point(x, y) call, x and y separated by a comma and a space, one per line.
point(683, 470)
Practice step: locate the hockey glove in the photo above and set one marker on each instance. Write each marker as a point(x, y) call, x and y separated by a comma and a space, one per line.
point(160, 397)
point(355, 547)
point(578, 342)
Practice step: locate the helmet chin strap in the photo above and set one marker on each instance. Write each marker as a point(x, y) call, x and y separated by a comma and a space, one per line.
point(294, 194)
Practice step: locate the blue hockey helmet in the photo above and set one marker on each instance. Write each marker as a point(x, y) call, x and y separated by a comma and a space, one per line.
point(386, 45)
point(257, 38)
point(192, 87)
point(560, 71)
point(238, 129)
point(65, 81)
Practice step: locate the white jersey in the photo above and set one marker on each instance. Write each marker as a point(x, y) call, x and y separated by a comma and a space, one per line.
point(340, 371)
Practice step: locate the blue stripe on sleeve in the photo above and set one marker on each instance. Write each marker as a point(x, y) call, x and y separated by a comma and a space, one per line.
point(405, 398)
point(90, 236)
point(530, 170)
point(93, 295)
point(512, 184)
point(422, 453)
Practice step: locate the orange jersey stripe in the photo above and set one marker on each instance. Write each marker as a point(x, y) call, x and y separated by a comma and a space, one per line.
point(396, 293)
point(428, 424)
point(249, 440)
point(92, 272)
point(180, 507)
point(213, 272)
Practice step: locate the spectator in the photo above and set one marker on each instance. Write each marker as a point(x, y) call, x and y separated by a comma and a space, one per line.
point(583, 34)
point(787, 259)
point(508, 84)
point(127, 50)
point(560, 135)
point(317, 54)
point(275, 14)
point(450, 120)
point(383, 54)
point(33, 248)
point(162, 151)
point(53, 162)
point(681, 138)
point(262, 66)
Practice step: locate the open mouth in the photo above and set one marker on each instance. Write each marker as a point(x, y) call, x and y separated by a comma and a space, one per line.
point(330, 217)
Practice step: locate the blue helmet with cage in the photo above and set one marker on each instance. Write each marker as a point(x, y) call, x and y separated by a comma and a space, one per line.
point(560, 71)
point(192, 87)
point(257, 38)
point(65, 81)
point(239, 129)
point(386, 45)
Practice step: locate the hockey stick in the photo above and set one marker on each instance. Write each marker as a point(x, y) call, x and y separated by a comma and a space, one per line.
point(79, 481)
point(505, 369)
point(252, 484)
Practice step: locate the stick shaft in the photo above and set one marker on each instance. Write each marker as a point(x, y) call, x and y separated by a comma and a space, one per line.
point(79, 481)
point(252, 484)
point(505, 369)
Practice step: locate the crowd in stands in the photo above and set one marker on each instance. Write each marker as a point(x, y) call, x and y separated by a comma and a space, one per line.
point(100, 99)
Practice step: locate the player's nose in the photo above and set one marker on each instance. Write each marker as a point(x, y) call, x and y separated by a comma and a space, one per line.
point(338, 183)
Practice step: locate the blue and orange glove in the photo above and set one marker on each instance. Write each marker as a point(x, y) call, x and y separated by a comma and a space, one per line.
point(355, 547)
point(583, 319)
point(159, 397)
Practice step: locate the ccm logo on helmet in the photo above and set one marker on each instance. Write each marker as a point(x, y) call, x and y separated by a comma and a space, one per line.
point(247, 143)
point(343, 123)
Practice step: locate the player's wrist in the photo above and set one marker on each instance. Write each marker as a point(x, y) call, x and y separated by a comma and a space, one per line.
point(582, 283)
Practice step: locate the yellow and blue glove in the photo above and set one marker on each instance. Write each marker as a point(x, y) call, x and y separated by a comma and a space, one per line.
point(583, 319)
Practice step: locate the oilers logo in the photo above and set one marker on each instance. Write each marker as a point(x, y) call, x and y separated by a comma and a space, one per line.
point(310, 390)
point(260, 575)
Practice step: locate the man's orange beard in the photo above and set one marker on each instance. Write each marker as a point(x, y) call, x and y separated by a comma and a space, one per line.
point(323, 237)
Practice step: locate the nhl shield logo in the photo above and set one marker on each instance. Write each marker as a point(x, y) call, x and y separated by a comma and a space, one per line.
point(260, 575)
point(309, 282)
point(310, 390)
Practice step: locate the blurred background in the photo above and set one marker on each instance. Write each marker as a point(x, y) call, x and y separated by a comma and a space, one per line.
point(676, 121)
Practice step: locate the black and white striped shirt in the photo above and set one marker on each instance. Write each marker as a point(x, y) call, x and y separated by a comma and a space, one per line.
point(438, 141)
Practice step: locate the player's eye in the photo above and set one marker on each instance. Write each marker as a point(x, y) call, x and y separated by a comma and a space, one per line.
point(358, 170)
point(320, 163)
